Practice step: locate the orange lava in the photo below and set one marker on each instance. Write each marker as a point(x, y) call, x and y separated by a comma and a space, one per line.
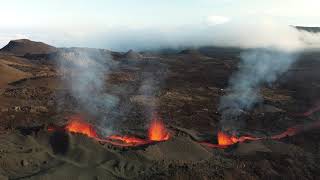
point(78, 125)
point(157, 131)
point(51, 128)
point(226, 140)
point(316, 108)
point(289, 132)
point(128, 139)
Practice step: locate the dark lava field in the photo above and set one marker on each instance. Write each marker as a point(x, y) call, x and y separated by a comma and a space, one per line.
point(43, 88)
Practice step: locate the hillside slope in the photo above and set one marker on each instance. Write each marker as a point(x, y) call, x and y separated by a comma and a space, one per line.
point(22, 47)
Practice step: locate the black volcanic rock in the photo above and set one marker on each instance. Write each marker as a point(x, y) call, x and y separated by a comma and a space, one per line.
point(22, 47)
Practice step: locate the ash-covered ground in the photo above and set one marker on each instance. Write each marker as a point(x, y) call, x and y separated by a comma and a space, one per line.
point(41, 88)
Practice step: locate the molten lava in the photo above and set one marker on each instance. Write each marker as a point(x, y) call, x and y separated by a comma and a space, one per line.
point(226, 140)
point(51, 128)
point(78, 125)
point(289, 132)
point(312, 110)
point(157, 131)
point(128, 139)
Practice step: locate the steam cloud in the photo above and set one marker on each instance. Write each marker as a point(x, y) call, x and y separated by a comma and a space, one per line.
point(270, 54)
point(257, 67)
point(85, 73)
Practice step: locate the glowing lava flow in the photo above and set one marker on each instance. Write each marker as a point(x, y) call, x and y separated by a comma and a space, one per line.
point(157, 131)
point(312, 110)
point(76, 124)
point(225, 140)
point(288, 133)
point(128, 139)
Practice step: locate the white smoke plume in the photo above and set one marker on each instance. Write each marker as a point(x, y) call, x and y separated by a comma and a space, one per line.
point(270, 51)
point(152, 80)
point(257, 67)
point(85, 72)
point(107, 105)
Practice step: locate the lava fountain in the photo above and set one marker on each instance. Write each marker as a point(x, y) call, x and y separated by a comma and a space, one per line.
point(76, 124)
point(158, 131)
point(225, 140)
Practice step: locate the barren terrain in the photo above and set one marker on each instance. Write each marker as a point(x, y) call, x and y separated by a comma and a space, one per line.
point(183, 88)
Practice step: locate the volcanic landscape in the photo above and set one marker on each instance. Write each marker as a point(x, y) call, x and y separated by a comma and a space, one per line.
point(151, 115)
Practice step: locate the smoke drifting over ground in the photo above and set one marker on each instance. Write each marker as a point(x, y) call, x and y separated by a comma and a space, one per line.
point(272, 50)
point(269, 49)
point(257, 67)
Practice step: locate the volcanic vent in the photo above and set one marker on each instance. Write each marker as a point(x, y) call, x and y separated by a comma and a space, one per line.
point(157, 132)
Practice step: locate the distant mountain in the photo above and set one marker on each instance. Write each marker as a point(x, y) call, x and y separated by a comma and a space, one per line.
point(22, 47)
point(190, 52)
point(309, 29)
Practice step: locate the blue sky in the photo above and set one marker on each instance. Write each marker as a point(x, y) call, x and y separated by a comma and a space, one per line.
point(71, 22)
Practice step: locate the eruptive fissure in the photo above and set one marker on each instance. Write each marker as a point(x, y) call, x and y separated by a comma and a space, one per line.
point(76, 124)
point(158, 132)
point(225, 140)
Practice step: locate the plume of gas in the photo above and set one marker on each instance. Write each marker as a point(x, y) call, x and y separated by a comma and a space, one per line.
point(269, 51)
point(85, 72)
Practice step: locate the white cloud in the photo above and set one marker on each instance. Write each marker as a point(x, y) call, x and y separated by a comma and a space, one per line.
point(294, 8)
point(214, 20)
